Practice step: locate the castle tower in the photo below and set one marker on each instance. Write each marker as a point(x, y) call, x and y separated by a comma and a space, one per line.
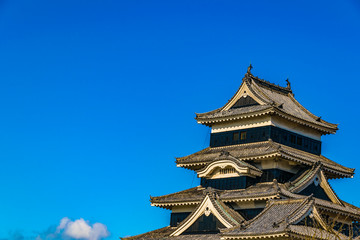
point(263, 175)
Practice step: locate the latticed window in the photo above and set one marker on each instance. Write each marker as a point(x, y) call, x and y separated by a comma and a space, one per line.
point(227, 170)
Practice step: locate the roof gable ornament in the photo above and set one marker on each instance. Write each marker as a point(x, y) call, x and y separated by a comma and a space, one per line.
point(249, 69)
point(238, 167)
point(288, 85)
point(210, 204)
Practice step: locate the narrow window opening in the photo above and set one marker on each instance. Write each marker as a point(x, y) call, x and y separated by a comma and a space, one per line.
point(285, 138)
point(236, 136)
point(292, 139)
point(243, 135)
point(299, 141)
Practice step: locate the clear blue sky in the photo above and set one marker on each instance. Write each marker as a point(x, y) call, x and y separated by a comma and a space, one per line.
point(98, 97)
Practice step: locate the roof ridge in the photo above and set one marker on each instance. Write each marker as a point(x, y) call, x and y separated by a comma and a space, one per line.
point(270, 85)
point(308, 200)
point(306, 177)
point(255, 89)
point(226, 210)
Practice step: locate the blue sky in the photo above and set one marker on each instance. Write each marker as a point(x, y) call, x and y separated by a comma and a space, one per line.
point(98, 97)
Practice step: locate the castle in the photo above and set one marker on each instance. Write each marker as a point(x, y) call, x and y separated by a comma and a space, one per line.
point(263, 175)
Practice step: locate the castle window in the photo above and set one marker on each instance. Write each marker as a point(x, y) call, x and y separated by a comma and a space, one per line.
point(243, 135)
point(236, 136)
point(285, 138)
point(316, 147)
point(292, 139)
point(299, 141)
point(306, 144)
point(227, 170)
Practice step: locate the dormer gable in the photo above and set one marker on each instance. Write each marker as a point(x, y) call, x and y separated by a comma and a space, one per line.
point(227, 166)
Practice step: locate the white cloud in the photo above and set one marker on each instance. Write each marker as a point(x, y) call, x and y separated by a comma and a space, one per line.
point(81, 229)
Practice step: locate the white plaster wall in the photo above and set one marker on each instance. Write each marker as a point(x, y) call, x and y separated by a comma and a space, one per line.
point(186, 208)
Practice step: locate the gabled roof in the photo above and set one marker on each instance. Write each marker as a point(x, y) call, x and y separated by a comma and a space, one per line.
point(313, 175)
point(283, 211)
point(257, 192)
point(280, 219)
point(226, 160)
point(211, 204)
point(275, 218)
point(263, 150)
point(344, 208)
point(272, 99)
point(193, 196)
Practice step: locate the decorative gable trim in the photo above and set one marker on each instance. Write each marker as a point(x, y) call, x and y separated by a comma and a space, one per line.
point(243, 170)
point(316, 176)
point(243, 91)
point(328, 190)
point(206, 207)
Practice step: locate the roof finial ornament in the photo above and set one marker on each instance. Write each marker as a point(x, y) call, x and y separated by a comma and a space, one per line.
point(288, 83)
point(249, 69)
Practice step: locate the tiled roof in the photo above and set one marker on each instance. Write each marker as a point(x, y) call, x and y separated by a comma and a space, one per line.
point(194, 195)
point(255, 192)
point(239, 111)
point(275, 218)
point(299, 183)
point(260, 150)
point(278, 216)
point(276, 100)
point(156, 234)
point(164, 234)
point(241, 151)
point(344, 209)
point(315, 233)
point(227, 213)
point(260, 191)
